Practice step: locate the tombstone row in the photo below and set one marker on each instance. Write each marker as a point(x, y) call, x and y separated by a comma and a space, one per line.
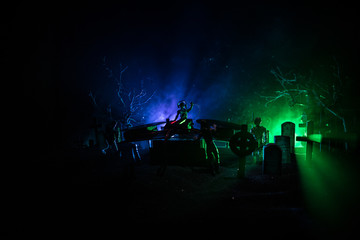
point(280, 152)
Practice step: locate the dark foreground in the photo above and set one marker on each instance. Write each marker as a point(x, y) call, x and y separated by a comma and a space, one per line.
point(85, 193)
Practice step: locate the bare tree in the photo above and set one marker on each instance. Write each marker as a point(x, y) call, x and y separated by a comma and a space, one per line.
point(294, 89)
point(132, 100)
point(291, 89)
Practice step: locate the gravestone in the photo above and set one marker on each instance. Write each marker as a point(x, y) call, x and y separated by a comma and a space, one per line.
point(284, 143)
point(288, 129)
point(272, 159)
point(242, 144)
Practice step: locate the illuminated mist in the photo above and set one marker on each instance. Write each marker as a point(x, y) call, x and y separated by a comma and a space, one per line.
point(209, 95)
point(277, 115)
point(219, 96)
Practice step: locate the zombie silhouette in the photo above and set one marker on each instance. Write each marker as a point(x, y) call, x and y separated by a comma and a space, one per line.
point(259, 133)
point(111, 135)
point(183, 123)
point(211, 150)
point(183, 111)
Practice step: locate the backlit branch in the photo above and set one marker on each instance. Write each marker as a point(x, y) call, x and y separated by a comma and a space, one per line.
point(291, 94)
point(288, 91)
point(324, 95)
point(281, 79)
point(132, 100)
point(329, 110)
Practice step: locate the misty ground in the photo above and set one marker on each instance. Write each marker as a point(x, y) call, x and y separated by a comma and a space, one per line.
point(85, 192)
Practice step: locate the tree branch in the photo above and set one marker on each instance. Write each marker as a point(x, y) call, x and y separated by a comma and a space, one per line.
point(284, 81)
point(331, 111)
point(131, 100)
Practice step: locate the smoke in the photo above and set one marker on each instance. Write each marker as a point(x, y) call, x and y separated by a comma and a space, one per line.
point(208, 95)
point(275, 115)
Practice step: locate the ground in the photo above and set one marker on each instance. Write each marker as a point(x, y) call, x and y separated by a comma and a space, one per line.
point(85, 192)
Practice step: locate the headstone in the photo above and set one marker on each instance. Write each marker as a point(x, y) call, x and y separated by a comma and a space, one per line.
point(242, 144)
point(288, 129)
point(284, 143)
point(272, 159)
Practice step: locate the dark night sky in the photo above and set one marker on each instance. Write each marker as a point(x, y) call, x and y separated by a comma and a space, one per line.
point(58, 48)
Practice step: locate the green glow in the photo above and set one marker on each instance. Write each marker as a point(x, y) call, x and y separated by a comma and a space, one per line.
point(328, 186)
point(329, 183)
point(182, 121)
point(275, 115)
point(151, 128)
point(315, 138)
